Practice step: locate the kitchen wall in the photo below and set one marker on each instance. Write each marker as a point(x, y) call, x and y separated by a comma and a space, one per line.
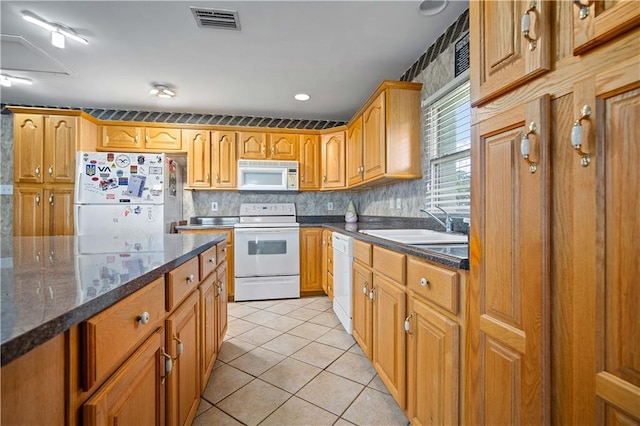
point(6, 174)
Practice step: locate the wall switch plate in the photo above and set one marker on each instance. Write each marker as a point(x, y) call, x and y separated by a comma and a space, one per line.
point(391, 203)
point(330, 206)
point(398, 203)
point(214, 206)
point(6, 189)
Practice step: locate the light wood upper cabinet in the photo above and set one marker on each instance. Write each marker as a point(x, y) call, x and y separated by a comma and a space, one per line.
point(28, 148)
point(373, 139)
point(252, 146)
point(333, 160)
point(309, 162)
point(140, 139)
point(283, 146)
point(198, 145)
point(501, 56)
point(225, 169)
point(354, 152)
point(595, 22)
point(509, 314)
point(310, 260)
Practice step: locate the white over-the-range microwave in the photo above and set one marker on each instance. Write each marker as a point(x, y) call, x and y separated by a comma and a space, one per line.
point(267, 175)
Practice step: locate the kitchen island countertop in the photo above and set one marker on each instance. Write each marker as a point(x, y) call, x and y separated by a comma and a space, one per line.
point(50, 284)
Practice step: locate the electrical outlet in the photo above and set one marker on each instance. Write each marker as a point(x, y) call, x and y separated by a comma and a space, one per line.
point(214, 206)
point(6, 189)
point(330, 206)
point(398, 203)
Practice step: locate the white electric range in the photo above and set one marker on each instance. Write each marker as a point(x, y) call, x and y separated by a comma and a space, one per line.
point(267, 252)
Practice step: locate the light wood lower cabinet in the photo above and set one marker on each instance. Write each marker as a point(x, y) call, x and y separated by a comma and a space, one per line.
point(311, 261)
point(43, 210)
point(183, 344)
point(134, 395)
point(208, 328)
point(222, 299)
point(363, 307)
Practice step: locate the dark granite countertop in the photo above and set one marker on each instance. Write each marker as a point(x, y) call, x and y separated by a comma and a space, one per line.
point(50, 284)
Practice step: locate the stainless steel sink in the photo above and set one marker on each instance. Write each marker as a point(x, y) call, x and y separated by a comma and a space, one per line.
point(417, 236)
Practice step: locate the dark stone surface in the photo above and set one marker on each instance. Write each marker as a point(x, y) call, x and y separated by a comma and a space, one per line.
point(53, 283)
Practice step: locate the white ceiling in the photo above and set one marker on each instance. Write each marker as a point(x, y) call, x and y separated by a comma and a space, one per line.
point(336, 51)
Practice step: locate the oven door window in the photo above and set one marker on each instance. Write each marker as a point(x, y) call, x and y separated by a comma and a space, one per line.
point(260, 248)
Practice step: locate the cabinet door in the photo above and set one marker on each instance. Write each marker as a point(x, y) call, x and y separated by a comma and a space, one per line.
point(433, 366)
point(362, 308)
point(225, 167)
point(602, 20)
point(28, 147)
point(283, 146)
point(222, 300)
point(309, 162)
point(28, 211)
point(389, 344)
point(159, 139)
point(374, 139)
point(58, 211)
point(508, 374)
point(501, 57)
point(121, 137)
point(354, 152)
point(333, 161)
point(252, 145)
point(310, 260)
point(60, 148)
point(208, 328)
point(183, 342)
point(134, 395)
point(325, 259)
point(198, 158)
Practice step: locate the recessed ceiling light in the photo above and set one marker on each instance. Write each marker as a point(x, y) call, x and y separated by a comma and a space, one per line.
point(7, 80)
point(162, 91)
point(302, 97)
point(432, 7)
point(59, 32)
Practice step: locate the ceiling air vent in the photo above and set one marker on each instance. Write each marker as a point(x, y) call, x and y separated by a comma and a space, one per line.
point(216, 18)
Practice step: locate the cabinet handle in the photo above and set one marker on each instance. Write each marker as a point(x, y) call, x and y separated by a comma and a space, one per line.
point(135, 138)
point(224, 250)
point(168, 364)
point(371, 294)
point(51, 170)
point(407, 324)
point(38, 199)
point(584, 8)
point(525, 147)
point(143, 318)
point(217, 178)
point(364, 288)
point(219, 287)
point(37, 170)
point(179, 347)
point(51, 258)
point(526, 24)
point(301, 178)
point(273, 150)
point(576, 135)
point(263, 149)
point(324, 178)
point(38, 257)
point(190, 278)
point(212, 260)
point(207, 178)
point(51, 199)
point(146, 138)
point(424, 282)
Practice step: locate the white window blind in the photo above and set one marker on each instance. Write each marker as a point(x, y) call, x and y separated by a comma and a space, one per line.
point(447, 122)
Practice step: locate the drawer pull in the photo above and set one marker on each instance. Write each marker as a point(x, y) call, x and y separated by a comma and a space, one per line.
point(212, 260)
point(143, 318)
point(407, 323)
point(364, 288)
point(190, 278)
point(424, 282)
point(179, 347)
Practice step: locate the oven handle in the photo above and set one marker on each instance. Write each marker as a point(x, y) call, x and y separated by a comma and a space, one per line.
point(266, 230)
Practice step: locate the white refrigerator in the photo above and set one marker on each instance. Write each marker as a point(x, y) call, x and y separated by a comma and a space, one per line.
point(126, 193)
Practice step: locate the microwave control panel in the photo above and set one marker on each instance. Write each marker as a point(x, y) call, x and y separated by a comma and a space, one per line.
point(292, 179)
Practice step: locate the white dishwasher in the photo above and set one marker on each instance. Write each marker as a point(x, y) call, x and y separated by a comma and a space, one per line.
point(342, 258)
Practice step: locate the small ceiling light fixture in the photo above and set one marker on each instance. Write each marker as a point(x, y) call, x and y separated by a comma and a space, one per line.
point(432, 7)
point(302, 97)
point(162, 91)
point(59, 32)
point(7, 80)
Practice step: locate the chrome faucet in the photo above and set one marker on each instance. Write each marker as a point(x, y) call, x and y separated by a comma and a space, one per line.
point(448, 221)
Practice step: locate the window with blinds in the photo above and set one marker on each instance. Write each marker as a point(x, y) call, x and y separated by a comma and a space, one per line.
point(447, 122)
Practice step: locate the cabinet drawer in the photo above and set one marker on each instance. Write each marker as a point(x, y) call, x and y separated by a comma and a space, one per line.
point(435, 284)
point(362, 252)
point(222, 250)
point(389, 263)
point(208, 261)
point(116, 332)
point(181, 282)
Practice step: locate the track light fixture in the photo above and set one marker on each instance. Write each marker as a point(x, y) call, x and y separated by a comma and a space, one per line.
point(59, 32)
point(162, 91)
point(7, 80)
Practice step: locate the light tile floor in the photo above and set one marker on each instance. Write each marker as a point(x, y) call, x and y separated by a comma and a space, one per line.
point(290, 362)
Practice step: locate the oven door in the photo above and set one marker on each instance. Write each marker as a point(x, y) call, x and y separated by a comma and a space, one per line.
point(260, 252)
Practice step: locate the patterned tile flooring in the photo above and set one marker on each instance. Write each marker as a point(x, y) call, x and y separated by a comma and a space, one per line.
point(290, 362)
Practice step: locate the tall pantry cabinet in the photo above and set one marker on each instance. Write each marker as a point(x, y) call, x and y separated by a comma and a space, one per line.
point(553, 328)
point(44, 151)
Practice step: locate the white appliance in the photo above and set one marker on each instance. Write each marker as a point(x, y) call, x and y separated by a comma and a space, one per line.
point(342, 258)
point(267, 252)
point(119, 193)
point(267, 175)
